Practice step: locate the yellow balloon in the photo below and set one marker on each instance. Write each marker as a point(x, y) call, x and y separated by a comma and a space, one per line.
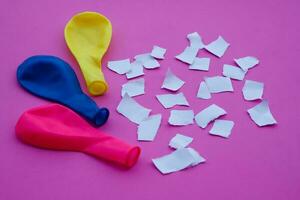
point(88, 35)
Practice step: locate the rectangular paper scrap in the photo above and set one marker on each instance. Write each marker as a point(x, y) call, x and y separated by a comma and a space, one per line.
point(119, 66)
point(172, 82)
point(134, 87)
point(136, 70)
point(253, 90)
point(212, 112)
point(148, 128)
point(158, 52)
point(188, 55)
point(233, 72)
point(217, 47)
point(222, 128)
point(132, 110)
point(180, 141)
point(217, 84)
point(203, 91)
point(261, 114)
point(181, 117)
point(147, 61)
point(195, 40)
point(200, 64)
point(170, 100)
point(246, 62)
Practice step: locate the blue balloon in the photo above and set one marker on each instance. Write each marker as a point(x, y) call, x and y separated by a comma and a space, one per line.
point(52, 78)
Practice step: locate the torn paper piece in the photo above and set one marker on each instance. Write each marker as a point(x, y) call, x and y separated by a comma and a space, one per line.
point(158, 52)
point(253, 90)
point(119, 66)
point(136, 70)
point(172, 82)
point(212, 112)
point(188, 55)
point(222, 128)
point(129, 108)
point(195, 40)
point(217, 47)
point(233, 72)
point(200, 64)
point(203, 91)
point(181, 117)
point(180, 141)
point(247, 62)
point(147, 61)
point(218, 84)
point(148, 128)
point(261, 114)
point(134, 88)
point(170, 100)
point(177, 160)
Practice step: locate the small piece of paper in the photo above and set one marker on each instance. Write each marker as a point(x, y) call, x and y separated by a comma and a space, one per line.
point(172, 82)
point(188, 55)
point(222, 128)
point(132, 110)
point(203, 91)
point(147, 61)
point(170, 100)
point(212, 112)
point(200, 64)
point(261, 114)
point(136, 70)
point(253, 90)
point(180, 141)
point(217, 47)
point(148, 128)
point(218, 84)
point(233, 72)
point(119, 66)
point(134, 87)
point(181, 117)
point(247, 62)
point(158, 52)
point(195, 40)
point(178, 160)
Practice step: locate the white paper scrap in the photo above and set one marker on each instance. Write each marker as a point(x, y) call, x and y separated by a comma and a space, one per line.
point(233, 72)
point(170, 100)
point(136, 70)
point(253, 90)
point(177, 160)
point(172, 82)
point(119, 66)
point(188, 55)
point(181, 117)
point(195, 40)
point(203, 91)
point(148, 128)
point(180, 141)
point(247, 62)
point(158, 52)
point(217, 47)
point(147, 61)
point(212, 112)
point(200, 64)
point(222, 128)
point(218, 84)
point(261, 114)
point(134, 87)
point(129, 108)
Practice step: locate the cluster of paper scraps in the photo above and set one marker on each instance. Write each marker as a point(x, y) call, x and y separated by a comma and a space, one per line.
point(148, 125)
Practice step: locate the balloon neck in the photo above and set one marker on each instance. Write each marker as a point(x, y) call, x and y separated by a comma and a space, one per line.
point(97, 88)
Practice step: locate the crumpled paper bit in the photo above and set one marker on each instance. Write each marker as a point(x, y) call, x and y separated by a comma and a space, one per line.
point(218, 47)
point(172, 82)
point(212, 112)
point(188, 55)
point(217, 84)
point(134, 87)
point(253, 90)
point(147, 61)
point(158, 52)
point(200, 64)
point(247, 62)
point(203, 91)
point(170, 100)
point(132, 110)
point(136, 70)
point(148, 128)
point(233, 72)
point(261, 114)
point(119, 66)
point(195, 40)
point(178, 160)
point(181, 117)
point(180, 141)
point(222, 128)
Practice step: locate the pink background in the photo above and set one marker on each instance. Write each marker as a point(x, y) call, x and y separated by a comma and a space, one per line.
point(254, 163)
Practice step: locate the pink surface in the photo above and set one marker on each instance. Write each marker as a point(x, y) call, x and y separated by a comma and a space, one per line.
point(254, 163)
